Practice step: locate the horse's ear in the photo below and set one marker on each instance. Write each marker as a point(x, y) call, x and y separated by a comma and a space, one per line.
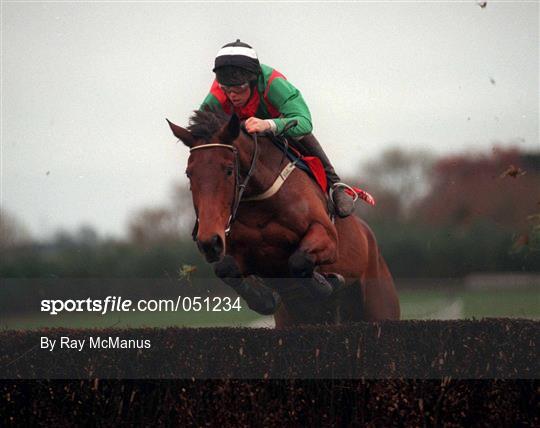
point(181, 134)
point(231, 131)
point(234, 127)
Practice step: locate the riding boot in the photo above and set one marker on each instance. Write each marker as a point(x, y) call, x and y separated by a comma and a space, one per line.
point(309, 146)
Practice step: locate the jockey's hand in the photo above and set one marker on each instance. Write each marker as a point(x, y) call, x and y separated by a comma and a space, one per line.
point(257, 125)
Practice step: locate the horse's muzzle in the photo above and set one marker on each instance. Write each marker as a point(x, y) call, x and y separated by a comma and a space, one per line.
point(213, 248)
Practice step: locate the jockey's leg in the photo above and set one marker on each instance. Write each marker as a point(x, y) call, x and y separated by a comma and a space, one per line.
point(308, 145)
point(259, 298)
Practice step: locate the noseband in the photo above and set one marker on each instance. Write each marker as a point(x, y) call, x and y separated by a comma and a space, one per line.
point(239, 187)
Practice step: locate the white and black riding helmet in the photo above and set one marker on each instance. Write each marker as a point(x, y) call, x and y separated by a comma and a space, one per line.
point(236, 63)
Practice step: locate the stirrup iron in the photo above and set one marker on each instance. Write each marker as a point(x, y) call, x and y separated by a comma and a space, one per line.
point(336, 185)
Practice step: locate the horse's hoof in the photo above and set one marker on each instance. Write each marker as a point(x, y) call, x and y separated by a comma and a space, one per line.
point(335, 279)
point(320, 287)
point(268, 306)
point(300, 265)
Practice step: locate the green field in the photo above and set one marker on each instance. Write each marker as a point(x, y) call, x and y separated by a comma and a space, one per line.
point(417, 304)
point(428, 304)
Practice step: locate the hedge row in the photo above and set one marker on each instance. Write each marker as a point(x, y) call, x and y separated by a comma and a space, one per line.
point(487, 349)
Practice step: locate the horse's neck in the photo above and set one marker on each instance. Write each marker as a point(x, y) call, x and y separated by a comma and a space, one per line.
point(269, 163)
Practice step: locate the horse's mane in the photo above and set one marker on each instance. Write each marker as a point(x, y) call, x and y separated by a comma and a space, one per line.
point(205, 123)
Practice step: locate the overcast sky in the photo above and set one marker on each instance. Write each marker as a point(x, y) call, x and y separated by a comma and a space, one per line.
point(86, 88)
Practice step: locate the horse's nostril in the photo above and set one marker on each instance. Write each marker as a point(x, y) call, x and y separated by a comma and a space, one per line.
point(212, 248)
point(216, 243)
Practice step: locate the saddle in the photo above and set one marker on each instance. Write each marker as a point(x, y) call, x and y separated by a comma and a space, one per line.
point(314, 168)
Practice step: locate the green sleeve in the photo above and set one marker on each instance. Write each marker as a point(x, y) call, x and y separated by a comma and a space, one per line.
point(211, 103)
point(290, 103)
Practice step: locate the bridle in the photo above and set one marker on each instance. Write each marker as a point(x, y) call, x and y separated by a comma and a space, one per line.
point(239, 187)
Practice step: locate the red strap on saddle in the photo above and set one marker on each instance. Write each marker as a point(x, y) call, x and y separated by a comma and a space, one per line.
point(316, 167)
point(362, 194)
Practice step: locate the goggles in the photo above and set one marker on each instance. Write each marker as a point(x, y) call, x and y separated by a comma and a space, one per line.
point(237, 89)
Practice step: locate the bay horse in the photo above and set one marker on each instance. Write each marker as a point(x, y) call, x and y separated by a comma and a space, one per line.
point(265, 225)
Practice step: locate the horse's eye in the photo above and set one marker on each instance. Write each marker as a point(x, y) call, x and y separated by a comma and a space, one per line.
point(229, 170)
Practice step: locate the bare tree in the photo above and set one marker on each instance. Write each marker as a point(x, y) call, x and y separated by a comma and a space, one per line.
point(398, 179)
point(12, 231)
point(153, 225)
point(165, 223)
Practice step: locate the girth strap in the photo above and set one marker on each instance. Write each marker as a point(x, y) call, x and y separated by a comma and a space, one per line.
point(274, 188)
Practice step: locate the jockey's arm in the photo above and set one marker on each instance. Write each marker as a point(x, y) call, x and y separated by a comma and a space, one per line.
point(289, 102)
point(286, 99)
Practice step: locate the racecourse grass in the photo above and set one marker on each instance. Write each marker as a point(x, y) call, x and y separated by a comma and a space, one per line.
point(502, 303)
point(428, 304)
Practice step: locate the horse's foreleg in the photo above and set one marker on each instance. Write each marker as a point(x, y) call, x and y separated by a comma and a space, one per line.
point(259, 298)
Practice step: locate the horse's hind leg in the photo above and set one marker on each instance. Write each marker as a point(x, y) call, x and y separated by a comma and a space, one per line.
point(381, 301)
point(316, 248)
point(302, 267)
point(259, 298)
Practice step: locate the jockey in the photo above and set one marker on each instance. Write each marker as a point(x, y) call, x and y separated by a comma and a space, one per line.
point(267, 101)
